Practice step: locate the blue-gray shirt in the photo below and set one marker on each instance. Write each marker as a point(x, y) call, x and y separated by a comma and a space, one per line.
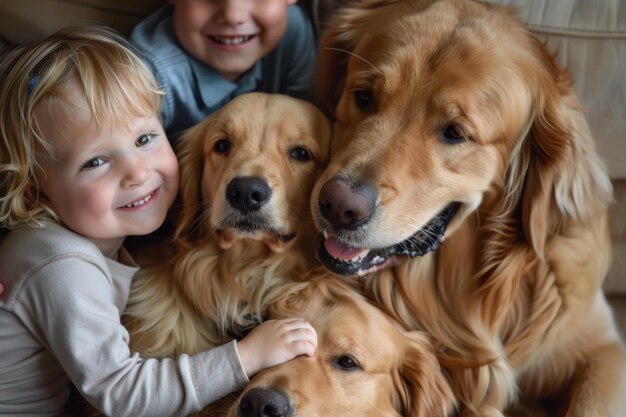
point(193, 90)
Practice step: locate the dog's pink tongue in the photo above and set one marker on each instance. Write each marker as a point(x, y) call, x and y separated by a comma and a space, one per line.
point(342, 251)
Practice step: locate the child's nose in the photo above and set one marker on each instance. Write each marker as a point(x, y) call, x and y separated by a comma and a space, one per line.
point(136, 172)
point(233, 12)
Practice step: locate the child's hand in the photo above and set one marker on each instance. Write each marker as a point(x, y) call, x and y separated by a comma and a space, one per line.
point(274, 342)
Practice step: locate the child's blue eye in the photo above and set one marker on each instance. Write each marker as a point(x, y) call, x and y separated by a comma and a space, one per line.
point(93, 163)
point(143, 139)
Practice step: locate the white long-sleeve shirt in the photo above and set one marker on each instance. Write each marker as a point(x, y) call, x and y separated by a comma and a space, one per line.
point(60, 321)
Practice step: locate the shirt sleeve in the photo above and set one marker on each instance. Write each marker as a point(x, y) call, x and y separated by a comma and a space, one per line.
point(69, 305)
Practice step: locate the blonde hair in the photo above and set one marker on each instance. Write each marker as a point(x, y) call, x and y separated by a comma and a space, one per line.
point(116, 85)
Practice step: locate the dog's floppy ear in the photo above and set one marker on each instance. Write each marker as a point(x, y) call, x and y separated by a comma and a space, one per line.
point(190, 153)
point(557, 162)
point(424, 389)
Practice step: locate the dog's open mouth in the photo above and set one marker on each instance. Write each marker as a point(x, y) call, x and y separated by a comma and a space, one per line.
point(346, 260)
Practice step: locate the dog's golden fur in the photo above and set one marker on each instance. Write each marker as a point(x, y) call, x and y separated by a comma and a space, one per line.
point(365, 364)
point(226, 261)
point(437, 102)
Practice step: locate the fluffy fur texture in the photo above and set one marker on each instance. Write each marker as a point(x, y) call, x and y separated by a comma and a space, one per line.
point(365, 363)
point(454, 103)
point(246, 176)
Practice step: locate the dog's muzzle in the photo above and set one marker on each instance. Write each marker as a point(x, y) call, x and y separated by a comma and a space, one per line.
point(345, 260)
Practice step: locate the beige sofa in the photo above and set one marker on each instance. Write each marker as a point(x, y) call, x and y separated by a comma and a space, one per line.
point(590, 37)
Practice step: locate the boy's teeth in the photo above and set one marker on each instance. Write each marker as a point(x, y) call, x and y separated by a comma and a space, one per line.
point(140, 202)
point(232, 41)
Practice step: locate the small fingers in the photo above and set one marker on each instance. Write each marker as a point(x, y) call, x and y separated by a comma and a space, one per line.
point(302, 340)
point(291, 324)
point(303, 347)
point(294, 336)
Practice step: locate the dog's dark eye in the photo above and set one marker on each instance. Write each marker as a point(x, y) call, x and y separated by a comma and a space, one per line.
point(222, 146)
point(347, 363)
point(364, 99)
point(300, 154)
point(453, 134)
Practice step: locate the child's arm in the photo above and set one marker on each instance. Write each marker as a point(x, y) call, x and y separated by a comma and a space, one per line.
point(69, 306)
point(275, 342)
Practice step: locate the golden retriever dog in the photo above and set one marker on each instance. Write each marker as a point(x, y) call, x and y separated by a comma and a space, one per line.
point(365, 364)
point(244, 227)
point(465, 189)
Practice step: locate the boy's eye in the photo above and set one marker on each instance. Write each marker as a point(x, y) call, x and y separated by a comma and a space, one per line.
point(93, 163)
point(143, 139)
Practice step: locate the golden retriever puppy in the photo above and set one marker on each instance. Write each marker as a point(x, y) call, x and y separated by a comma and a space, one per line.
point(246, 176)
point(454, 125)
point(365, 363)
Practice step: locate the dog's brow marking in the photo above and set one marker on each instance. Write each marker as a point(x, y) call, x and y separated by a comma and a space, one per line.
point(353, 54)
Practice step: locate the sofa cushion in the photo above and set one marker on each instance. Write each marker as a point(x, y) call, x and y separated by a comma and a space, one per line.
point(590, 37)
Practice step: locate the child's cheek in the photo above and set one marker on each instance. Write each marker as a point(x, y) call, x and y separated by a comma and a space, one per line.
point(97, 201)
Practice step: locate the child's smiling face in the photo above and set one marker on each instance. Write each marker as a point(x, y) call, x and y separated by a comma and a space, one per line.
point(105, 181)
point(230, 35)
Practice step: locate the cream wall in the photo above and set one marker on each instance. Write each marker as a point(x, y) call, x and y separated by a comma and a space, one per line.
point(30, 20)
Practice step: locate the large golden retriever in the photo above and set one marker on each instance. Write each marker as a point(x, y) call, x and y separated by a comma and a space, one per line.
point(366, 364)
point(465, 188)
point(246, 176)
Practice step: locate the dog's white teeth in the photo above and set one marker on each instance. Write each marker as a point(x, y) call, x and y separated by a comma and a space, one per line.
point(377, 260)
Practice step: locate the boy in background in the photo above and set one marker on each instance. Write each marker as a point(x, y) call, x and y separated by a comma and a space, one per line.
point(206, 52)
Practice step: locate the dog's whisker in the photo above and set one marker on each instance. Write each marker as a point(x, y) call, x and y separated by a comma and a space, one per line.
point(353, 54)
point(200, 220)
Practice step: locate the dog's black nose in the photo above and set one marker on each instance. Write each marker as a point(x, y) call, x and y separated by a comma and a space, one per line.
point(347, 206)
point(248, 194)
point(260, 402)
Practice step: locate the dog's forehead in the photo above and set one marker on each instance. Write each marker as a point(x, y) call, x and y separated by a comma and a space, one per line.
point(350, 319)
point(265, 119)
point(344, 319)
point(372, 340)
point(406, 34)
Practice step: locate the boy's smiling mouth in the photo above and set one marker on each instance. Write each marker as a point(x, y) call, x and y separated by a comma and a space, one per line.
point(140, 201)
